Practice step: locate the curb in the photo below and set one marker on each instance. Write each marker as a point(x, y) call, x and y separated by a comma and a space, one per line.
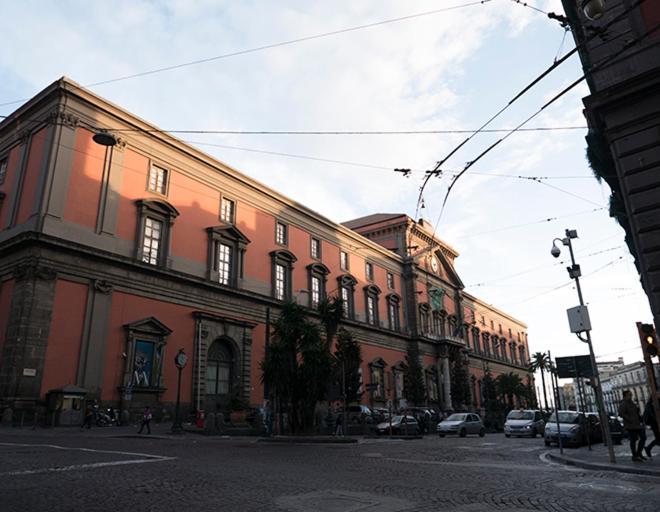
point(568, 461)
point(307, 440)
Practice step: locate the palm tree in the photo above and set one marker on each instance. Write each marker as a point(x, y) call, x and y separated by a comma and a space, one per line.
point(540, 361)
point(509, 385)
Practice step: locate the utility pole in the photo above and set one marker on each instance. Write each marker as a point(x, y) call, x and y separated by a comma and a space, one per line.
point(579, 322)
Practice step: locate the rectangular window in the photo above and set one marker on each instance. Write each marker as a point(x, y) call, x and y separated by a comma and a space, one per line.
point(343, 260)
point(158, 179)
point(344, 299)
point(371, 310)
point(393, 311)
point(316, 291)
point(369, 271)
point(390, 281)
point(315, 248)
point(227, 210)
point(224, 263)
point(212, 379)
point(3, 169)
point(153, 232)
point(280, 233)
point(280, 282)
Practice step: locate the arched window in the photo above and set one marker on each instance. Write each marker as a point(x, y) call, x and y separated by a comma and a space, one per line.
point(346, 284)
point(219, 368)
point(282, 272)
point(317, 275)
point(371, 293)
point(393, 302)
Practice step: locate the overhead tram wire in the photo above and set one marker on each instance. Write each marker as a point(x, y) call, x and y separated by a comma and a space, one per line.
point(331, 132)
point(555, 64)
point(525, 4)
point(276, 45)
point(603, 64)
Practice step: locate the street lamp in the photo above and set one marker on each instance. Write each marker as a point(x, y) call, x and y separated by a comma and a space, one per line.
point(593, 9)
point(579, 321)
point(180, 361)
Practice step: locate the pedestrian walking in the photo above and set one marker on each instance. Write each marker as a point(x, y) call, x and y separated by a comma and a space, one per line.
point(146, 419)
point(88, 417)
point(629, 411)
point(339, 426)
point(651, 421)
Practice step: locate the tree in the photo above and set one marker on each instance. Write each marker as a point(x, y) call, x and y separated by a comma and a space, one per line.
point(348, 359)
point(297, 365)
point(529, 395)
point(509, 386)
point(460, 383)
point(541, 362)
point(413, 380)
point(491, 403)
point(331, 311)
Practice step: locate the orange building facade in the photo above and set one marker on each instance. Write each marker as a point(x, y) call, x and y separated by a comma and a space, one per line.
point(115, 258)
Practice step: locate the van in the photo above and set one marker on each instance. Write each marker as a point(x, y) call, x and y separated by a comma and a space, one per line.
point(524, 422)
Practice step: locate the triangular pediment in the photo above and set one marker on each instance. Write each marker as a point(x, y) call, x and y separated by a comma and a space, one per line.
point(449, 271)
point(229, 231)
point(149, 325)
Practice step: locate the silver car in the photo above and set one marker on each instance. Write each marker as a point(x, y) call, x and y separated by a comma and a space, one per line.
point(462, 424)
point(524, 423)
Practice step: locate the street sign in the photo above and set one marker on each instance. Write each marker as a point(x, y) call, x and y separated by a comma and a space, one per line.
point(574, 366)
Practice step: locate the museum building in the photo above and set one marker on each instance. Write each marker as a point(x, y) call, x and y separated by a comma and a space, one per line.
point(120, 245)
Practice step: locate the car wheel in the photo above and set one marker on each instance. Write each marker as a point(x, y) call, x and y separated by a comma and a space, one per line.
point(507, 435)
point(482, 432)
point(534, 433)
point(617, 440)
point(547, 443)
point(441, 435)
point(463, 432)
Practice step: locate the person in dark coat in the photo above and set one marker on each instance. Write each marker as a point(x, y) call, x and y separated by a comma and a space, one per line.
point(629, 411)
point(651, 421)
point(87, 419)
point(339, 428)
point(146, 419)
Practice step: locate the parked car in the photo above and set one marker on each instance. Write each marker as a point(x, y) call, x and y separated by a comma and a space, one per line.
point(524, 423)
point(572, 428)
point(381, 414)
point(616, 430)
point(425, 417)
point(406, 425)
point(461, 424)
point(360, 414)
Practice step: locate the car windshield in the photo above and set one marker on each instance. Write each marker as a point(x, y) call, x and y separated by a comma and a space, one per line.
point(520, 415)
point(396, 419)
point(565, 417)
point(457, 417)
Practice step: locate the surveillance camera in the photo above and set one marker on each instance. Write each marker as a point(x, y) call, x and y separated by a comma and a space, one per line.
point(555, 251)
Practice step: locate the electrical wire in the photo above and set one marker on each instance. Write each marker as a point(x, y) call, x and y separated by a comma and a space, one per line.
point(542, 221)
point(525, 4)
point(603, 64)
point(276, 45)
point(327, 132)
point(555, 64)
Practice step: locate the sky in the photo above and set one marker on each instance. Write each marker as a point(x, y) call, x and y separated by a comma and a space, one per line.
point(435, 65)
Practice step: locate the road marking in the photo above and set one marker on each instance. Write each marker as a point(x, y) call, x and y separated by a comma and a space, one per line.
point(147, 458)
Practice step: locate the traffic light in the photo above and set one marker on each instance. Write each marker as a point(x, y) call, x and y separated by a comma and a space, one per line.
point(648, 338)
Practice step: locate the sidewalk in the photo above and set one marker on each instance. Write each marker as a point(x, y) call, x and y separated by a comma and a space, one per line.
point(158, 431)
point(598, 459)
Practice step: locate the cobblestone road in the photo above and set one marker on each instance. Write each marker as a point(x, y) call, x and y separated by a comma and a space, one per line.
point(63, 471)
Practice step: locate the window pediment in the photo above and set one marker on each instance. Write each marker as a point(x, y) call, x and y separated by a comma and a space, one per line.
point(379, 362)
point(158, 206)
point(149, 326)
point(283, 255)
point(318, 268)
point(372, 289)
point(393, 297)
point(347, 280)
point(230, 232)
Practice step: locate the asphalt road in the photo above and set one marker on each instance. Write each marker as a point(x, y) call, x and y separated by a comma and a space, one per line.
point(114, 470)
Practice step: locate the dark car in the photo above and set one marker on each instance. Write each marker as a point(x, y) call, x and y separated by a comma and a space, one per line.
point(426, 417)
point(401, 425)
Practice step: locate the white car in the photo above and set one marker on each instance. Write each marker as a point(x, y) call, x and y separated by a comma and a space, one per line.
point(461, 424)
point(524, 423)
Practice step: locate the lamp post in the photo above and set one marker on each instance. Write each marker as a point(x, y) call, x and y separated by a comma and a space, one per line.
point(180, 361)
point(579, 321)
